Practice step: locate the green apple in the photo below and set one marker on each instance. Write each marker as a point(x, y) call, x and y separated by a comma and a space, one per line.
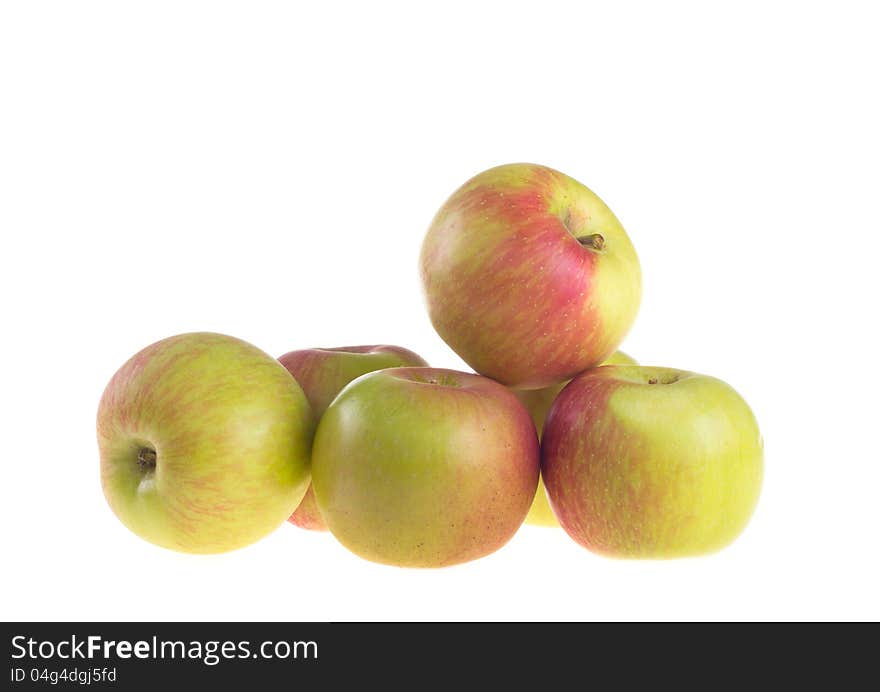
point(204, 443)
point(538, 402)
point(529, 276)
point(648, 462)
point(322, 373)
point(424, 467)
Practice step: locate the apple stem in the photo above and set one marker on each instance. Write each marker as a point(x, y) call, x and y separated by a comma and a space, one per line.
point(147, 459)
point(594, 241)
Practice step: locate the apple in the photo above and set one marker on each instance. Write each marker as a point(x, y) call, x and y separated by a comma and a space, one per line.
point(424, 467)
point(204, 443)
point(538, 402)
point(648, 462)
point(529, 276)
point(322, 373)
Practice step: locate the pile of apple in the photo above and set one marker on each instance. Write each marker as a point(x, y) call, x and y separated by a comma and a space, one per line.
point(208, 444)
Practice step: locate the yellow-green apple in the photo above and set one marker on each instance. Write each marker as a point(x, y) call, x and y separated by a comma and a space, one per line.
point(424, 467)
point(204, 443)
point(538, 402)
point(649, 462)
point(529, 276)
point(322, 373)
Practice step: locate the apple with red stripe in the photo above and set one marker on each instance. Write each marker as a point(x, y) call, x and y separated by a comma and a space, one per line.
point(648, 462)
point(529, 276)
point(204, 443)
point(424, 467)
point(322, 373)
point(538, 402)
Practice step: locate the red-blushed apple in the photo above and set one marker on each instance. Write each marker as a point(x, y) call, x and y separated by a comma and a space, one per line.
point(538, 402)
point(529, 276)
point(648, 462)
point(204, 443)
point(322, 373)
point(424, 467)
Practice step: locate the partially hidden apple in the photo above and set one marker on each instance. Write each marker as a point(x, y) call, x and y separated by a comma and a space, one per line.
point(538, 402)
point(424, 467)
point(529, 276)
point(204, 442)
point(648, 462)
point(322, 373)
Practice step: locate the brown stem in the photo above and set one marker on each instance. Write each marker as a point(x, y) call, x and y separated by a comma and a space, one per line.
point(594, 241)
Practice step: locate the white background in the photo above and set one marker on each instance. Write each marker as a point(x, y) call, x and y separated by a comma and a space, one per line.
point(268, 170)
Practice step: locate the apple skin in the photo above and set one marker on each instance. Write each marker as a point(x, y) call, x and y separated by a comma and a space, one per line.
point(204, 442)
point(424, 467)
point(538, 402)
point(322, 373)
point(645, 462)
point(511, 289)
